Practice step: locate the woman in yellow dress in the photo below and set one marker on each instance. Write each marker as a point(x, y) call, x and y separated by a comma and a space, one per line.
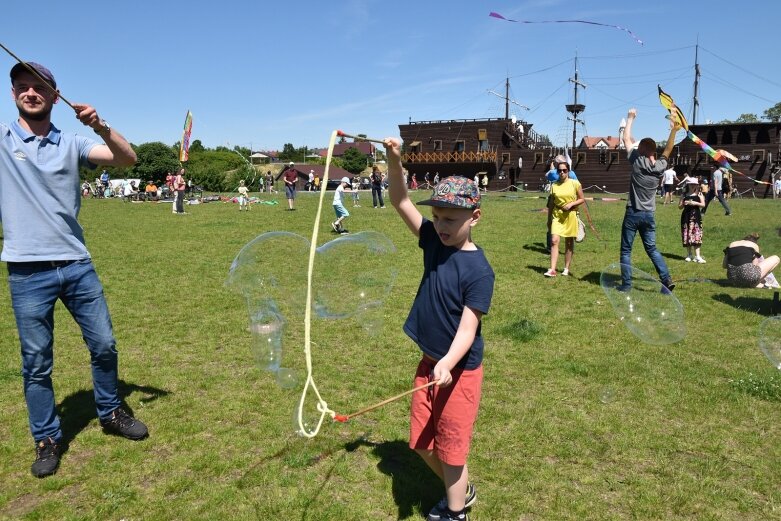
point(566, 196)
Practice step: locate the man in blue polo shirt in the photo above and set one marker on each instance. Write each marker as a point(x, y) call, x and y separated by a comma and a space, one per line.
point(47, 257)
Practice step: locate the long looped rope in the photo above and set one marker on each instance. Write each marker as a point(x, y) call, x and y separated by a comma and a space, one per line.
point(322, 406)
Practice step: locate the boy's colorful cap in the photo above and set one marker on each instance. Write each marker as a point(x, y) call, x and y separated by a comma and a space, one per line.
point(345, 180)
point(455, 192)
point(45, 73)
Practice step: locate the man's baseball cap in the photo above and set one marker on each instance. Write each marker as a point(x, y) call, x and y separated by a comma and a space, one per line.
point(37, 67)
point(455, 192)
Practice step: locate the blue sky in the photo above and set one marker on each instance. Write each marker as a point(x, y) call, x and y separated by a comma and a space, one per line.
point(259, 76)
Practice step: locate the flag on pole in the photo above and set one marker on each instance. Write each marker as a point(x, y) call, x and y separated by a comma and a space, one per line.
point(184, 150)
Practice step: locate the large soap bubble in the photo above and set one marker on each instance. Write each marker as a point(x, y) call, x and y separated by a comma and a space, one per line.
point(647, 308)
point(270, 273)
point(354, 274)
point(272, 267)
point(770, 340)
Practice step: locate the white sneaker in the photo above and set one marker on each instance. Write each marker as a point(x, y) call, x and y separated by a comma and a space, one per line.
point(565, 272)
point(550, 273)
point(699, 260)
point(688, 259)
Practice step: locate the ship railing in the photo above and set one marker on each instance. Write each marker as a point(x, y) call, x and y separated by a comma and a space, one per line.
point(450, 157)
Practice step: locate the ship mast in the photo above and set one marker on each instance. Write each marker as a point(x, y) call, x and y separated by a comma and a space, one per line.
point(696, 100)
point(575, 108)
point(507, 99)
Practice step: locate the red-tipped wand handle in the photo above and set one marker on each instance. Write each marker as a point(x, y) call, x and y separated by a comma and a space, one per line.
point(360, 138)
point(345, 417)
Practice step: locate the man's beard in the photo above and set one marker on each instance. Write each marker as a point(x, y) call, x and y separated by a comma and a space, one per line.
point(42, 115)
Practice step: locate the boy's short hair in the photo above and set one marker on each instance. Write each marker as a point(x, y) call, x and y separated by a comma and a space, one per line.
point(455, 192)
point(646, 146)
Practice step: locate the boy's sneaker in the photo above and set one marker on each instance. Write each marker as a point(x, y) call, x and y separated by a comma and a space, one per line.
point(565, 273)
point(447, 515)
point(550, 273)
point(335, 226)
point(688, 259)
point(699, 260)
point(47, 458)
point(440, 508)
point(125, 425)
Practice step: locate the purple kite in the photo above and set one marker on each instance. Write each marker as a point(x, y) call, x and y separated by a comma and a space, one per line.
point(631, 34)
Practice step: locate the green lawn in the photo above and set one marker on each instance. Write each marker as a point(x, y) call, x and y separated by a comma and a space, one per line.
point(579, 419)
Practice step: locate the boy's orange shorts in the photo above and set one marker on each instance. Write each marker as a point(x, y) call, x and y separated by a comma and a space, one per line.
point(442, 420)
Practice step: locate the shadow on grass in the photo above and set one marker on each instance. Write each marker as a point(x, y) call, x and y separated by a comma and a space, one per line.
point(762, 304)
point(414, 484)
point(592, 278)
point(538, 247)
point(78, 409)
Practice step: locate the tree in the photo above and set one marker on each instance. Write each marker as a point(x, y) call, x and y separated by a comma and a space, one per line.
point(155, 159)
point(288, 152)
point(354, 161)
point(773, 113)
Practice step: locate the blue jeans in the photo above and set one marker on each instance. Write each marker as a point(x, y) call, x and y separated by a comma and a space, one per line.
point(377, 196)
point(713, 194)
point(35, 288)
point(643, 222)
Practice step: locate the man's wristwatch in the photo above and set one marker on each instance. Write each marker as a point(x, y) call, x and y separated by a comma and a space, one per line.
point(104, 127)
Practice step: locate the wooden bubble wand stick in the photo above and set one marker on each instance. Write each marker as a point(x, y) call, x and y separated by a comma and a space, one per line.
point(35, 73)
point(345, 417)
point(360, 138)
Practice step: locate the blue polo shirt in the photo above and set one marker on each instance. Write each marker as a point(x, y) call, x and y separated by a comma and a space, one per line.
point(39, 194)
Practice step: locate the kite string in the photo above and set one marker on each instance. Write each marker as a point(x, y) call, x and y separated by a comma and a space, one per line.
point(322, 406)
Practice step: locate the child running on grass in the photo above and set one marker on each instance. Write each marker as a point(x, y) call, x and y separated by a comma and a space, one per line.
point(445, 322)
point(339, 209)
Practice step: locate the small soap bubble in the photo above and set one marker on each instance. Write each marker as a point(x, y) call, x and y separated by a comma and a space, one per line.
point(647, 308)
point(606, 395)
point(287, 378)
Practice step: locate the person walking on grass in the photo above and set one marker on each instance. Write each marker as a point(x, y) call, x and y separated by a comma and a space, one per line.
point(445, 322)
point(376, 182)
point(717, 190)
point(691, 203)
point(640, 208)
point(290, 177)
point(355, 186)
point(668, 184)
point(47, 258)
point(179, 187)
point(566, 195)
point(243, 196)
point(339, 209)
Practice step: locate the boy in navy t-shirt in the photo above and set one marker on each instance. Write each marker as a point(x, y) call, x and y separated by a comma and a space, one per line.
point(445, 322)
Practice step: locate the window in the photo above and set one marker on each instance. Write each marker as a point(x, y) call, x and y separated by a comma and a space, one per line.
point(712, 138)
point(437, 145)
point(537, 158)
point(743, 137)
point(763, 136)
point(726, 138)
point(602, 156)
point(482, 134)
point(614, 157)
point(459, 147)
point(505, 158)
point(580, 158)
point(757, 156)
point(483, 145)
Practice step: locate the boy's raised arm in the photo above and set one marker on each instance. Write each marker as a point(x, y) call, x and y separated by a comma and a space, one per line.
point(397, 190)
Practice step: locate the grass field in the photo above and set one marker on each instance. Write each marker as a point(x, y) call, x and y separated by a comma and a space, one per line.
point(579, 419)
